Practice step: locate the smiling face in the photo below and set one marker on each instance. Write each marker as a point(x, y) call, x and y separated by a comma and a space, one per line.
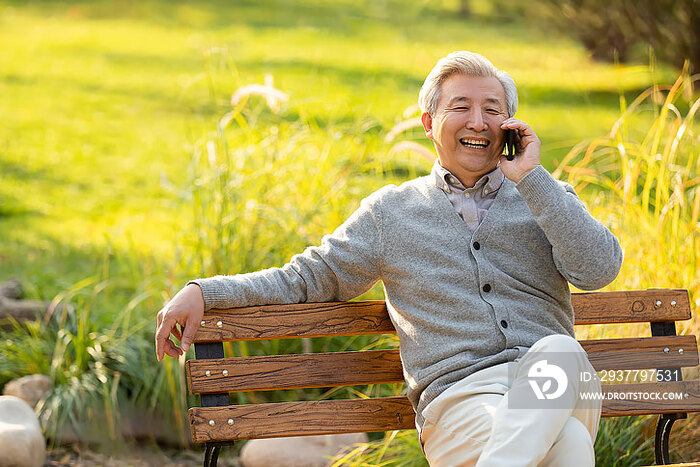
point(466, 126)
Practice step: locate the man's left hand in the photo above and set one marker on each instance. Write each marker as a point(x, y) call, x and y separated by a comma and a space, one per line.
point(527, 150)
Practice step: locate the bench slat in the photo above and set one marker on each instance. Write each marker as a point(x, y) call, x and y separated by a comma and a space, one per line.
point(392, 413)
point(634, 306)
point(296, 320)
point(300, 418)
point(371, 317)
point(271, 372)
point(294, 371)
point(642, 352)
point(617, 408)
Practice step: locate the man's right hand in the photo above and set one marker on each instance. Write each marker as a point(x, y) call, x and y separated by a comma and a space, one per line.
point(186, 309)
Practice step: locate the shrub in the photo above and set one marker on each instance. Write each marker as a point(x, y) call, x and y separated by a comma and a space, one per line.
point(609, 29)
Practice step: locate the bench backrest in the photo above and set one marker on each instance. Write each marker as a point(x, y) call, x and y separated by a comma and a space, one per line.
point(213, 376)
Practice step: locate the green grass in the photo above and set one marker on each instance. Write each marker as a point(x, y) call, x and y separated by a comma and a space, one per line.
point(111, 199)
point(101, 100)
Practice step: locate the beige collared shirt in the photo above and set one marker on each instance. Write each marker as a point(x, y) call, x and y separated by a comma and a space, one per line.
point(470, 203)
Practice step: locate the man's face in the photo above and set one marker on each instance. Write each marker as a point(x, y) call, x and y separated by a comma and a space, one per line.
point(466, 127)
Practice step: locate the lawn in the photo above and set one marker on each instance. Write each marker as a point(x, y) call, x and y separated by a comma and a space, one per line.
point(103, 101)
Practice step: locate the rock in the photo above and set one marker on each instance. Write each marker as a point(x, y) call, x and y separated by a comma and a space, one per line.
point(136, 422)
point(21, 310)
point(11, 289)
point(21, 441)
point(298, 451)
point(30, 389)
point(12, 308)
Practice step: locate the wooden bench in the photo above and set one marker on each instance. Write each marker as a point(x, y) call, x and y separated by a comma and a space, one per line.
point(217, 423)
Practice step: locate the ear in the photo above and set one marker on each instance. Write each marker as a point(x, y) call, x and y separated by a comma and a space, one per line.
point(427, 121)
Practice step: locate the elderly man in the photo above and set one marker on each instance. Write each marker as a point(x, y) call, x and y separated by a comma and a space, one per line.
point(476, 260)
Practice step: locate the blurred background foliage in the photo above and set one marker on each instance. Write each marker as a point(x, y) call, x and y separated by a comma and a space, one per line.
point(125, 169)
point(621, 30)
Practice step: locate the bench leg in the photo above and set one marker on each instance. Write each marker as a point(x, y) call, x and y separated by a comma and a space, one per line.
point(663, 432)
point(211, 455)
point(202, 351)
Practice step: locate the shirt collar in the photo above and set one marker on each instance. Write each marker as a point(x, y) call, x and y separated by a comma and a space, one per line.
point(447, 182)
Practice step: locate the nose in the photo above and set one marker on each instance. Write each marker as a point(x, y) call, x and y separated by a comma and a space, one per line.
point(475, 121)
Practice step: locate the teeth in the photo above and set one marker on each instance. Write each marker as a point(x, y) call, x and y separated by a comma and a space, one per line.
point(473, 143)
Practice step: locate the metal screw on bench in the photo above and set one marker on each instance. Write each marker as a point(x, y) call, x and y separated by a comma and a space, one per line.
point(680, 350)
point(230, 421)
point(666, 349)
point(208, 373)
point(203, 323)
point(225, 372)
point(212, 423)
point(673, 303)
point(658, 304)
point(219, 324)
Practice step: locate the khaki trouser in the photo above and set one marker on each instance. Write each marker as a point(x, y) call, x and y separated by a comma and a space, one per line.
point(471, 424)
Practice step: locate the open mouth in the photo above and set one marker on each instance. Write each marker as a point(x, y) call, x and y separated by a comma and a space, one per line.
point(474, 143)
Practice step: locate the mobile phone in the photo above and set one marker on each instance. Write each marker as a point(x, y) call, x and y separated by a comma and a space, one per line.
point(510, 145)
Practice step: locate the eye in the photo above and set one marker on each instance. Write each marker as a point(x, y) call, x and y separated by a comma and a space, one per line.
point(493, 111)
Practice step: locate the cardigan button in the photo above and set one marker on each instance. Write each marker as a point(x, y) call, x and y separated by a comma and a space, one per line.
point(504, 323)
point(476, 245)
point(486, 288)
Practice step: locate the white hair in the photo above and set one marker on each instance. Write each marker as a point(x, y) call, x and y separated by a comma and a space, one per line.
point(465, 63)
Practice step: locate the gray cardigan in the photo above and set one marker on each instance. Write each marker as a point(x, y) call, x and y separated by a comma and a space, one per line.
point(459, 302)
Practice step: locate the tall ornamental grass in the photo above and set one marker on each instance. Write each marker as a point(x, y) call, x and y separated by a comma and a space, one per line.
point(646, 174)
point(267, 182)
